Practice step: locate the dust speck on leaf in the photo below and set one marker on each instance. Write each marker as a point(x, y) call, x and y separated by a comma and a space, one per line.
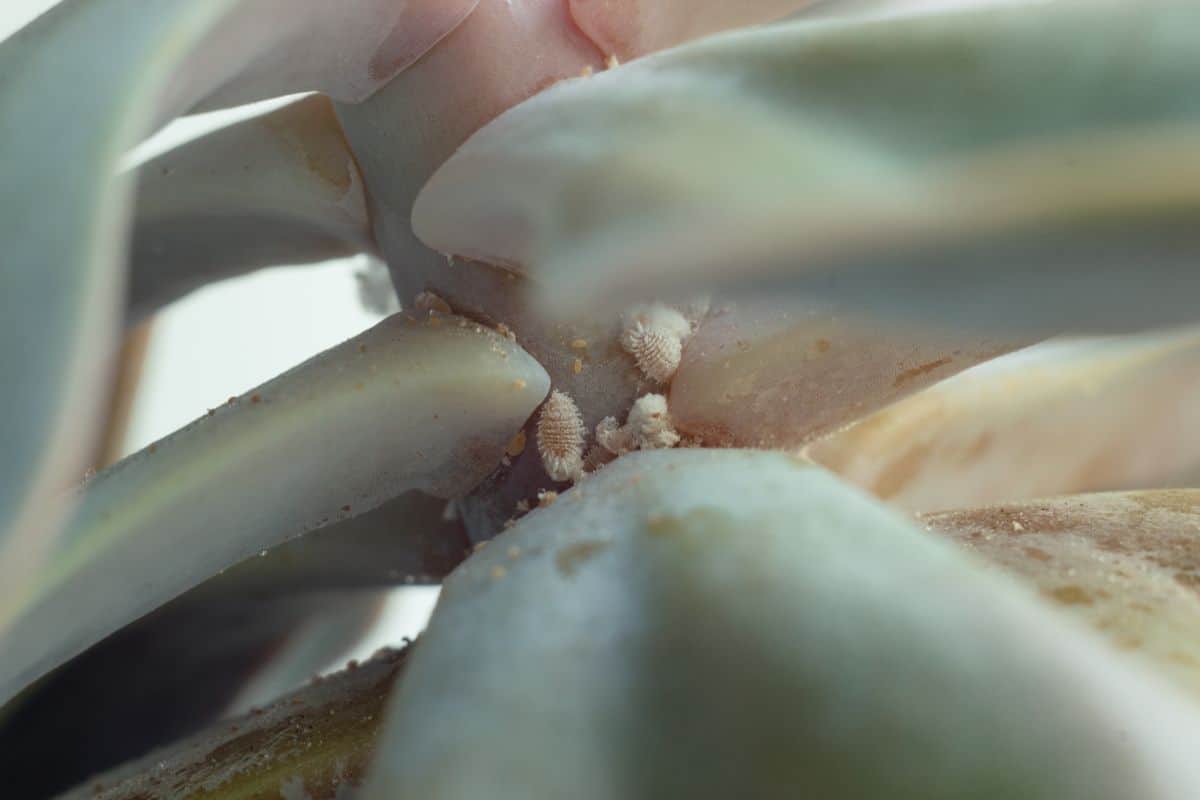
point(572, 557)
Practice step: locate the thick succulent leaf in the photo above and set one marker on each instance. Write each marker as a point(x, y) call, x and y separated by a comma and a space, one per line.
point(1016, 166)
point(71, 102)
point(408, 129)
point(1127, 564)
point(406, 541)
point(347, 49)
point(281, 188)
point(239, 639)
point(890, 8)
point(314, 743)
point(631, 28)
point(167, 676)
point(728, 624)
point(1066, 417)
point(319, 644)
point(410, 404)
point(78, 88)
point(755, 376)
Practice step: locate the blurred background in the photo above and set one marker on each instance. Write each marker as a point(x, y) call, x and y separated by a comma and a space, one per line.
point(230, 337)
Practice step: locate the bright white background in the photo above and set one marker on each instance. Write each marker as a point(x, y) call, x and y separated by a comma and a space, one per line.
point(230, 337)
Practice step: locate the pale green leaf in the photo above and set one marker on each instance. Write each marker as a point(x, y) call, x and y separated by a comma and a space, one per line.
point(426, 405)
point(169, 675)
point(735, 624)
point(406, 541)
point(1016, 166)
point(281, 188)
point(78, 88)
point(628, 29)
point(316, 742)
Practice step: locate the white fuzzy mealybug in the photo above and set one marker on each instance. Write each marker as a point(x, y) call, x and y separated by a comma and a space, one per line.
point(613, 438)
point(648, 427)
point(654, 335)
point(560, 437)
point(650, 423)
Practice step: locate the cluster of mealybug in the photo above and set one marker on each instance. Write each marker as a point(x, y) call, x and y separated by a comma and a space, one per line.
point(654, 335)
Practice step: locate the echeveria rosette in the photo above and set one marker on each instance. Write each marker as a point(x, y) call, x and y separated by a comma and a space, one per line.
point(811, 196)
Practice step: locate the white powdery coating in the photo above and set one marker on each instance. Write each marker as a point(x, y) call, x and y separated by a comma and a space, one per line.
point(613, 438)
point(650, 423)
point(648, 427)
point(654, 335)
point(560, 437)
point(428, 301)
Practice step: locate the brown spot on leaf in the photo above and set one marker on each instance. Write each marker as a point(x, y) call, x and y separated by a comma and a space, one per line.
point(1037, 554)
point(1071, 596)
point(916, 372)
point(902, 471)
point(1188, 580)
point(572, 557)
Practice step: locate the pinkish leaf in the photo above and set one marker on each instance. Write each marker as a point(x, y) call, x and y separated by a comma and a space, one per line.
point(1071, 416)
point(755, 376)
point(631, 28)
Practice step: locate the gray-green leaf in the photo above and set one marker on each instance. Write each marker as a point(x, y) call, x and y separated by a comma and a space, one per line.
point(734, 624)
point(1022, 166)
point(409, 404)
point(280, 188)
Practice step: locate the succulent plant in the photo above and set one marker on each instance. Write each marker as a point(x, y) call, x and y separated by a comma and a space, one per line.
point(695, 302)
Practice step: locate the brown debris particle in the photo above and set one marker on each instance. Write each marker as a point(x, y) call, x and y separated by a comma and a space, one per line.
point(1072, 596)
point(916, 372)
point(430, 302)
point(572, 557)
point(517, 445)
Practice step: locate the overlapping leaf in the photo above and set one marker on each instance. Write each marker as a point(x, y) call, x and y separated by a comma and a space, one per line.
point(727, 623)
point(78, 88)
point(317, 742)
point(346, 50)
point(281, 188)
point(260, 628)
point(408, 405)
point(166, 676)
point(756, 376)
point(1017, 166)
point(628, 29)
point(1070, 416)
